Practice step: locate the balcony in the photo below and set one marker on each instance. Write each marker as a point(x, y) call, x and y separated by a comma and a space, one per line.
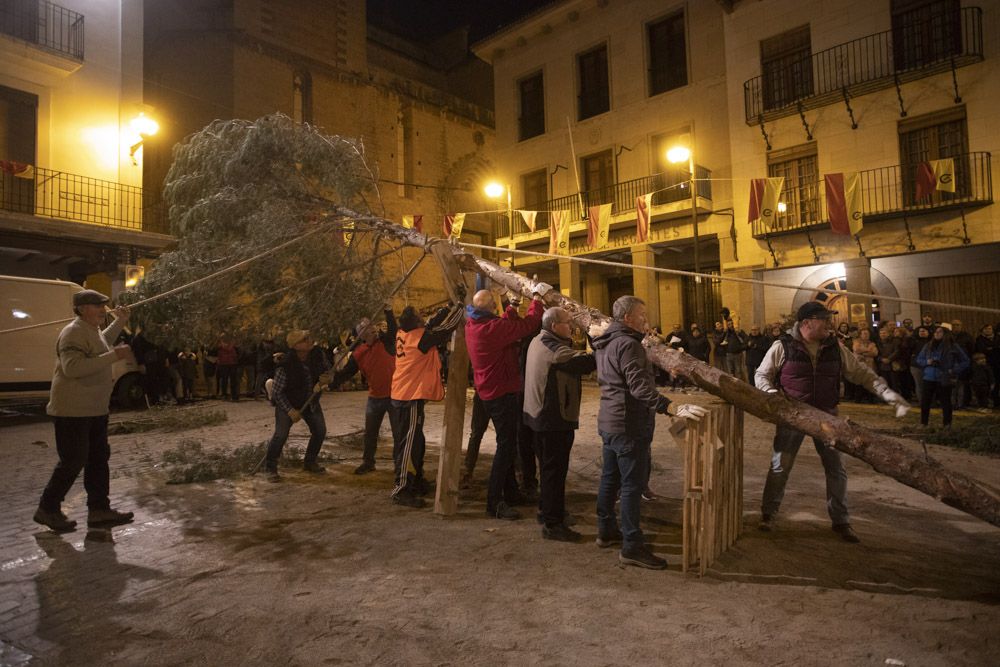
point(44, 25)
point(62, 196)
point(916, 50)
point(667, 188)
point(887, 192)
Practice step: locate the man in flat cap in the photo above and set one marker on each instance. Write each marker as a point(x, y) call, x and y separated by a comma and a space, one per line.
point(296, 377)
point(81, 392)
point(806, 363)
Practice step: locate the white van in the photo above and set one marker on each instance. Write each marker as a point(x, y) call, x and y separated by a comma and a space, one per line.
point(27, 358)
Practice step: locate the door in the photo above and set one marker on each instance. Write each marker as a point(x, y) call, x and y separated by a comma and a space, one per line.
point(18, 112)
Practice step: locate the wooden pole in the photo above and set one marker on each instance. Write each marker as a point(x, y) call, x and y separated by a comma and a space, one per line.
point(449, 462)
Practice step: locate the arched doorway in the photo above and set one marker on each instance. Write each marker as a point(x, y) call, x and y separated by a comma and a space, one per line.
point(832, 276)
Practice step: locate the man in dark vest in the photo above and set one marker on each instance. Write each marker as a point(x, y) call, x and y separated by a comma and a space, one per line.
point(296, 377)
point(806, 364)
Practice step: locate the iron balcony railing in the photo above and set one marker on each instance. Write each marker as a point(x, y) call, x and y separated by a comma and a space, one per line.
point(667, 188)
point(886, 192)
point(916, 49)
point(55, 194)
point(43, 24)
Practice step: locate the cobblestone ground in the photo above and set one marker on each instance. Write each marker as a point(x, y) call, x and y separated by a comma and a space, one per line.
point(324, 570)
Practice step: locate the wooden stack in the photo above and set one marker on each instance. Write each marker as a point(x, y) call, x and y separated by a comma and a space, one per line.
point(713, 485)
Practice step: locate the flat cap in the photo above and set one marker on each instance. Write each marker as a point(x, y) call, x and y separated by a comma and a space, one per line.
point(89, 297)
point(813, 310)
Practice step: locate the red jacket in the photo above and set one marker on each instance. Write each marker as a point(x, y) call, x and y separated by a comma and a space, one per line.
point(494, 349)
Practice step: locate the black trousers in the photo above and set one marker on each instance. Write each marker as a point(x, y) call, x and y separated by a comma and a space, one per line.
point(553, 450)
point(408, 441)
point(82, 444)
point(506, 418)
point(526, 448)
point(943, 393)
point(480, 421)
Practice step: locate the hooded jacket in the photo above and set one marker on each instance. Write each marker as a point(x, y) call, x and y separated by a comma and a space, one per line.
point(552, 386)
point(629, 398)
point(493, 347)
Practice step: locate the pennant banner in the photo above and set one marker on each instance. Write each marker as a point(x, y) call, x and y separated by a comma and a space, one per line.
point(764, 196)
point(529, 218)
point(17, 169)
point(559, 222)
point(600, 222)
point(843, 203)
point(453, 225)
point(935, 175)
point(643, 206)
point(414, 222)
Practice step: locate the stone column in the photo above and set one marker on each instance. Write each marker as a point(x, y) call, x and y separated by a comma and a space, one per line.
point(859, 279)
point(671, 302)
point(595, 290)
point(569, 279)
point(645, 282)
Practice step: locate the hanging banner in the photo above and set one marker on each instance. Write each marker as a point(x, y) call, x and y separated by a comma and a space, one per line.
point(414, 222)
point(17, 169)
point(348, 232)
point(935, 175)
point(600, 223)
point(529, 218)
point(764, 196)
point(559, 222)
point(643, 207)
point(453, 225)
point(843, 203)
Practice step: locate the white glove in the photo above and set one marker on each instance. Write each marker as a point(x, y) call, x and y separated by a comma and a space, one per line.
point(690, 411)
point(673, 340)
point(895, 400)
point(541, 289)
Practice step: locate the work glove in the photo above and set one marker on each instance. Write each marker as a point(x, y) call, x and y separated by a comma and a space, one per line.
point(514, 299)
point(684, 413)
point(295, 415)
point(895, 400)
point(325, 378)
point(541, 289)
point(674, 340)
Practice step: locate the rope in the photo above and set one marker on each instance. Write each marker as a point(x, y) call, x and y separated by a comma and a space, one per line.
point(191, 284)
point(750, 281)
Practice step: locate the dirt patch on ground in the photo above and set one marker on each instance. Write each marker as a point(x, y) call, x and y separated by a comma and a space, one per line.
point(319, 570)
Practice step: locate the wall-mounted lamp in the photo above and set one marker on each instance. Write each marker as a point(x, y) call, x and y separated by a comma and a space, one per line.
point(133, 275)
point(144, 127)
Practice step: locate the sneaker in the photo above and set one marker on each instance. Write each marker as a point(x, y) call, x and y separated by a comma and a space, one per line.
point(560, 533)
point(108, 517)
point(605, 541)
point(846, 533)
point(272, 476)
point(407, 499)
point(364, 468)
point(649, 495)
point(314, 468)
point(642, 557)
point(56, 521)
point(505, 511)
point(766, 523)
point(423, 487)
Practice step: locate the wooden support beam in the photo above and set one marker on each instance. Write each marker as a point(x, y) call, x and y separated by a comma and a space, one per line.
point(449, 463)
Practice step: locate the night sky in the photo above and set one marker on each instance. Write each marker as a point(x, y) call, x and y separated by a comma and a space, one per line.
point(432, 18)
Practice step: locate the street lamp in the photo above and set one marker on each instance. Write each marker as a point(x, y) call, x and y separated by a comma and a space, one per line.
point(678, 155)
point(495, 190)
point(145, 127)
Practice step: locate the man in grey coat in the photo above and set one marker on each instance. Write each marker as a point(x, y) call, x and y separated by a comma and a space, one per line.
point(552, 410)
point(625, 420)
point(81, 392)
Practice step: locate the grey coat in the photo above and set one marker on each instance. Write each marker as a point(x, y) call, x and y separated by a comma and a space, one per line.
point(629, 399)
point(552, 385)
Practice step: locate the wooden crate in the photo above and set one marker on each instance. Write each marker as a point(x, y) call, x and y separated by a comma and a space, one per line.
point(713, 485)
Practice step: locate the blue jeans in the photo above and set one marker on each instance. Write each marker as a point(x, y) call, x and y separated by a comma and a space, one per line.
point(784, 450)
point(506, 419)
point(314, 419)
point(626, 459)
point(375, 411)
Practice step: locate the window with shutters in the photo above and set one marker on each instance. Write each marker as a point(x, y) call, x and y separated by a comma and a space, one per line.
point(594, 97)
point(786, 68)
point(800, 194)
point(531, 94)
point(667, 54)
point(598, 174)
point(535, 189)
point(925, 32)
point(933, 137)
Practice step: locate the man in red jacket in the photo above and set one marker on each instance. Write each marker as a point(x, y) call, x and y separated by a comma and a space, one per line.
point(494, 346)
point(375, 357)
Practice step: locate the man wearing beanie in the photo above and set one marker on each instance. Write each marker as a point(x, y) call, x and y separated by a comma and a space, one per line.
point(81, 392)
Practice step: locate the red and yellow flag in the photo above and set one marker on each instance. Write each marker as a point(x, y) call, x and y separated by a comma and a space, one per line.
point(453, 224)
point(559, 222)
point(843, 203)
point(643, 211)
point(529, 218)
point(935, 175)
point(764, 196)
point(600, 223)
point(414, 222)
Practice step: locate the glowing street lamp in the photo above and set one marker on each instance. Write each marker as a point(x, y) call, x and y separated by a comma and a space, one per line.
point(145, 127)
point(680, 155)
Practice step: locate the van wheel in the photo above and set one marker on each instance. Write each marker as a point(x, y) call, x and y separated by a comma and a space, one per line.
point(129, 393)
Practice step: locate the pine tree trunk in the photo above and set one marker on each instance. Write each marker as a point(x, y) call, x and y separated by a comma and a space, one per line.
point(890, 456)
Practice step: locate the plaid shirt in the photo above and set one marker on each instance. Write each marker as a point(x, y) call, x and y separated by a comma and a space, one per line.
point(281, 381)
